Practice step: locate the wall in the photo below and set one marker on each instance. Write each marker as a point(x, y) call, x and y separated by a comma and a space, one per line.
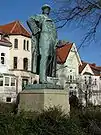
point(20, 52)
point(8, 91)
point(94, 87)
point(4, 67)
point(69, 68)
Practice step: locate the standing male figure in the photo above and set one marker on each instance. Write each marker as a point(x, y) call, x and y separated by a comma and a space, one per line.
point(44, 29)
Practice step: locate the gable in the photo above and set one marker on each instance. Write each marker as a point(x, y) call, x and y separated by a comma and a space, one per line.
point(64, 52)
point(73, 56)
point(87, 69)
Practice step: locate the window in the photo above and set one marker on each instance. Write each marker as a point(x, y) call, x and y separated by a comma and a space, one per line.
point(16, 43)
point(12, 81)
point(25, 64)
point(8, 99)
point(1, 80)
point(95, 82)
point(6, 81)
point(90, 80)
point(35, 82)
point(2, 58)
point(2, 54)
point(85, 79)
point(24, 83)
point(27, 45)
point(74, 93)
point(71, 78)
point(24, 44)
point(15, 63)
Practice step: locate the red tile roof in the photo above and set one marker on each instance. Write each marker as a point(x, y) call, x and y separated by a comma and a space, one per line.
point(99, 67)
point(14, 28)
point(81, 67)
point(62, 52)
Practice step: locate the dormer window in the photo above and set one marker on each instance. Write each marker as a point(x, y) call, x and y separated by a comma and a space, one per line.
point(16, 43)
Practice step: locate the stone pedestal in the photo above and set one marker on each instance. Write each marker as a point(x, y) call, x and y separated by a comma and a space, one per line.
point(37, 100)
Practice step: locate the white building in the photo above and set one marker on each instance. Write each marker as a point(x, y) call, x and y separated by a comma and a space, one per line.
point(68, 62)
point(5, 46)
point(90, 76)
point(79, 77)
point(20, 53)
point(7, 81)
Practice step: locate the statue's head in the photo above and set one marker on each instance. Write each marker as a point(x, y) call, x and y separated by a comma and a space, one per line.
point(46, 9)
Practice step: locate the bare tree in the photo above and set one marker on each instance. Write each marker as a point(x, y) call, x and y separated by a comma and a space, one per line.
point(84, 12)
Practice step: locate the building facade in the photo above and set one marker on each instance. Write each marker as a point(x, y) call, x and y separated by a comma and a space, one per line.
point(68, 61)
point(8, 82)
point(20, 53)
point(81, 78)
point(90, 78)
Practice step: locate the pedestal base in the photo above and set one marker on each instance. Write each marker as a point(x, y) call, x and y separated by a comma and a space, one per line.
point(38, 100)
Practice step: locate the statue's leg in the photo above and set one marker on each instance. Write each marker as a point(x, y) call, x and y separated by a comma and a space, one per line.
point(43, 67)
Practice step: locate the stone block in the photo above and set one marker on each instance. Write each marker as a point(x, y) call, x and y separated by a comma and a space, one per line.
point(38, 100)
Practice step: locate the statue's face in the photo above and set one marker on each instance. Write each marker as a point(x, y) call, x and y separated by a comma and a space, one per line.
point(46, 11)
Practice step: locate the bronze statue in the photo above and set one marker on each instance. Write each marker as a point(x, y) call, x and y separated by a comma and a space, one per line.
point(43, 28)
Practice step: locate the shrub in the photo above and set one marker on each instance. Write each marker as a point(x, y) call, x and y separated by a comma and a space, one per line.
point(50, 122)
point(54, 122)
point(8, 107)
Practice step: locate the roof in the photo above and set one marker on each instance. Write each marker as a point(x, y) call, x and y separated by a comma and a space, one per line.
point(96, 69)
point(81, 67)
point(4, 41)
point(62, 52)
point(14, 28)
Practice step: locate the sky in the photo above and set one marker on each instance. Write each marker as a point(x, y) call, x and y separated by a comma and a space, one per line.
point(11, 10)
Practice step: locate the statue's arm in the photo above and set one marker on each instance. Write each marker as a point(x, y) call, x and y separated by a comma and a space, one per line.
point(36, 17)
point(33, 24)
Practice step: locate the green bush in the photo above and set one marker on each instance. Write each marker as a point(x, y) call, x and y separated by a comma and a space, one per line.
point(8, 107)
point(90, 120)
point(54, 122)
point(50, 122)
